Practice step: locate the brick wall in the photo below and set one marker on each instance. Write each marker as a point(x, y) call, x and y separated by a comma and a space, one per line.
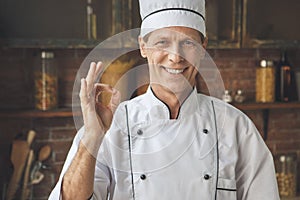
point(237, 67)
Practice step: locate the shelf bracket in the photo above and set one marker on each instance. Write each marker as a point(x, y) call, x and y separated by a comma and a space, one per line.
point(265, 123)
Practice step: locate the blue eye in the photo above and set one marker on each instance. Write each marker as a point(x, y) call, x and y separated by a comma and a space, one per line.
point(188, 43)
point(161, 42)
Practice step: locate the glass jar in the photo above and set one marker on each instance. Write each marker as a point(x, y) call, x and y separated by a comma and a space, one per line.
point(45, 82)
point(286, 174)
point(265, 82)
point(239, 96)
point(227, 96)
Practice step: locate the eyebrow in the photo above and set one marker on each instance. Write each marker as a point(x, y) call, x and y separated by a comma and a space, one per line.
point(164, 37)
point(159, 37)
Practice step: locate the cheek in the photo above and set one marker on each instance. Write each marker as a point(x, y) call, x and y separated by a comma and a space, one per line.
point(155, 57)
point(193, 60)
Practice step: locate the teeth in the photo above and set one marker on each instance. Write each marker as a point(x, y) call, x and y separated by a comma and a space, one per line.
point(174, 71)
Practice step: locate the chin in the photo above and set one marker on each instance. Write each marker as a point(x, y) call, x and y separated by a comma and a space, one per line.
point(179, 88)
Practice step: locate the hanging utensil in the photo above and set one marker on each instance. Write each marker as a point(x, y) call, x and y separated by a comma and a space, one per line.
point(20, 150)
point(36, 176)
point(25, 188)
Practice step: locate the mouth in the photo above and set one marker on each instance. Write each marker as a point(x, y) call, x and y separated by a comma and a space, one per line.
point(173, 71)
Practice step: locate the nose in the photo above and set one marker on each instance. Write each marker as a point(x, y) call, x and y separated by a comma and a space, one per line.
point(175, 54)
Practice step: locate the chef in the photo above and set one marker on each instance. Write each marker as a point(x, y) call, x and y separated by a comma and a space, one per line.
point(171, 142)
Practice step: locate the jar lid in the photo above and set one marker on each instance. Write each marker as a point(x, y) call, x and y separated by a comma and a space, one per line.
point(287, 157)
point(47, 54)
point(226, 92)
point(266, 63)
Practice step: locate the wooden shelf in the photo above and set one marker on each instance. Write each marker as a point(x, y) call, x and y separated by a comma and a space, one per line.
point(262, 106)
point(49, 43)
point(291, 198)
point(265, 107)
point(67, 112)
point(61, 112)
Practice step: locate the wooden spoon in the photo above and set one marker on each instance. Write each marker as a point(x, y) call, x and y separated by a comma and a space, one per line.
point(44, 153)
point(20, 150)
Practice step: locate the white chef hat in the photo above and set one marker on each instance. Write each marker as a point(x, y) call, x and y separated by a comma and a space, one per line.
point(157, 14)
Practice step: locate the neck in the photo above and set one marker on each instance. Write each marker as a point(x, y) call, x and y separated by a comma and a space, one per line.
point(172, 100)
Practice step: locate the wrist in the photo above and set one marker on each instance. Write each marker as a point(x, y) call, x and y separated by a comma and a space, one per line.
point(92, 141)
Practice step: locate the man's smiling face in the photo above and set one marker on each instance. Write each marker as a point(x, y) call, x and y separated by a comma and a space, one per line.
point(173, 55)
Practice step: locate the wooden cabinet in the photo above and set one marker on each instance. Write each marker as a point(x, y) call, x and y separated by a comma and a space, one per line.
point(253, 24)
point(223, 21)
point(57, 24)
point(62, 25)
point(230, 23)
point(271, 23)
point(53, 24)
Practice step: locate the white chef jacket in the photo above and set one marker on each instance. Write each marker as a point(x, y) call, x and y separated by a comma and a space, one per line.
point(211, 151)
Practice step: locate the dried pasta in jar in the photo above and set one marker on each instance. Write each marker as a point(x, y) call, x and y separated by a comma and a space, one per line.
point(286, 174)
point(45, 83)
point(265, 82)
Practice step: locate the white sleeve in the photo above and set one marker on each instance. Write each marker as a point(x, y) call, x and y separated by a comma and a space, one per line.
point(101, 181)
point(255, 168)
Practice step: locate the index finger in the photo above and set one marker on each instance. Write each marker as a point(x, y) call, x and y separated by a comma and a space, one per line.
point(98, 70)
point(93, 74)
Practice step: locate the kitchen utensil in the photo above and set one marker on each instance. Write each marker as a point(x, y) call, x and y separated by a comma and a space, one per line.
point(30, 137)
point(25, 189)
point(36, 176)
point(20, 150)
point(44, 153)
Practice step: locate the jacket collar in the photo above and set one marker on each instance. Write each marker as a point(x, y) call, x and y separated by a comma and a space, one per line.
point(158, 109)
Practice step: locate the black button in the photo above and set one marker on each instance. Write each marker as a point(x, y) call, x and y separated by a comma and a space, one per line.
point(139, 132)
point(205, 131)
point(206, 176)
point(143, 176)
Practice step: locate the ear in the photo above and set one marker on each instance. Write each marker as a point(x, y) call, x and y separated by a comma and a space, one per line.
point(204, 45)
point(142, 45)
point(205, 42)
